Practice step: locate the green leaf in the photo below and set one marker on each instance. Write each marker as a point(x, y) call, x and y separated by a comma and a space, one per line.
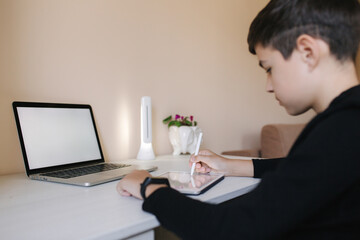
point(195, 123)
point(172, 123)
point(187, 122)
point(167, 120)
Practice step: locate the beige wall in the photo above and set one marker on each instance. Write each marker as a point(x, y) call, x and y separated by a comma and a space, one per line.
point(190, 56)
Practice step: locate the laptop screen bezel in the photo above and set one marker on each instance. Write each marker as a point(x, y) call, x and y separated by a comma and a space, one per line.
point(29, 171)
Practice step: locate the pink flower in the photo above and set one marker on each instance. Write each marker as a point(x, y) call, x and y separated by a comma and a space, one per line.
point(180, 121)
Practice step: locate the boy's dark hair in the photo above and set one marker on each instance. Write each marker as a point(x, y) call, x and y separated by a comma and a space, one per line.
point(281, 22)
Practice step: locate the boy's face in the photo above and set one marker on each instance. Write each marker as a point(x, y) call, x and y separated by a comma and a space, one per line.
point(289, 80)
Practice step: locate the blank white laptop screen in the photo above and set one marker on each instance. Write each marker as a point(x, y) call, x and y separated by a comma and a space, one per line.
point(58, 136)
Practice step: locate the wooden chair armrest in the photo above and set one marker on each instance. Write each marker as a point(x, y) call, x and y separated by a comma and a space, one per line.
point(244, 153)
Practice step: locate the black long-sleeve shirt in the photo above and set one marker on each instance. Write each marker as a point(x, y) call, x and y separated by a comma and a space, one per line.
point(313, 193)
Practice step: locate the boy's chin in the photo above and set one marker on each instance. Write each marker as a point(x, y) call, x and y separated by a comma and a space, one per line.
point(295, 111)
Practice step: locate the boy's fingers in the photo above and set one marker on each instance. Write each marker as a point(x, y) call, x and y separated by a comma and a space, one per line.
point(125, 194)
point(119, 187)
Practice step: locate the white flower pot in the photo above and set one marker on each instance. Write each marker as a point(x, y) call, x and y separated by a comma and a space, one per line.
point(184, 139)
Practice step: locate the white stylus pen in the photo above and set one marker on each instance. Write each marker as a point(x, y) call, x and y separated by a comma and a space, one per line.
point(196, 152)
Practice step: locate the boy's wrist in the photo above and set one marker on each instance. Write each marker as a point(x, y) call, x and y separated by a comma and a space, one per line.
point(150, 185)
point(152, 188)
point(240, 168)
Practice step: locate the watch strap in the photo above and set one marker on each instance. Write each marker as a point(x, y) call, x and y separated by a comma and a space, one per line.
point(150, 180)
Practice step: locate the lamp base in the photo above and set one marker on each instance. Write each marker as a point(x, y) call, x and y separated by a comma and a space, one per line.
point(146, 152)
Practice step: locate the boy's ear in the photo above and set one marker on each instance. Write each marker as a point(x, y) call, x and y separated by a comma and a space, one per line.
point(309, 50)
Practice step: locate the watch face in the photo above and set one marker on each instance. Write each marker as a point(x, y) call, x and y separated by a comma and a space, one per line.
point(191, 184)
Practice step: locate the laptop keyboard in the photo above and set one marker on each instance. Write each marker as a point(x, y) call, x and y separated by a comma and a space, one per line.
point(81, 171)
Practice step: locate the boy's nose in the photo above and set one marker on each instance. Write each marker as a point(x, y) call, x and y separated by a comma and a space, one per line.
point(269, 87)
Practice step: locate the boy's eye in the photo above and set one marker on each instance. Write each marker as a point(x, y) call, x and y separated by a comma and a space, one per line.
point(268, 70)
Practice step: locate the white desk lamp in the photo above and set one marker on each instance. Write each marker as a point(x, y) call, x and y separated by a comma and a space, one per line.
point(146, 150)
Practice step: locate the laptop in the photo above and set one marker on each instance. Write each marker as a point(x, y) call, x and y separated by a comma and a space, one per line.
point(60, 143)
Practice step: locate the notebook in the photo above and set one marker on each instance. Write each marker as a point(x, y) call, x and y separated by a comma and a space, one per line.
point(60, 143)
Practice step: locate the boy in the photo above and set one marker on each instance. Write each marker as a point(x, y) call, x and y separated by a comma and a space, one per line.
point(308, 50)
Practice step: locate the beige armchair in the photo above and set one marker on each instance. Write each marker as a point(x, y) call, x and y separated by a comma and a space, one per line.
point(276, 141)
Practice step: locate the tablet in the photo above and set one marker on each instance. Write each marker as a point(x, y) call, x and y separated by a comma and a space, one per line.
point(192, 185)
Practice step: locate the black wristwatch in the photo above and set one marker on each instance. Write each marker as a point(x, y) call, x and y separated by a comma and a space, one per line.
point(149, 181)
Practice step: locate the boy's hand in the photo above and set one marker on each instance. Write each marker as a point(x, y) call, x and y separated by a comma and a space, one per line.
point(207, 161)
point(130, 184)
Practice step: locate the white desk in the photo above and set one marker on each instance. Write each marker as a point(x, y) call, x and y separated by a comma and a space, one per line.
point(32, 209)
